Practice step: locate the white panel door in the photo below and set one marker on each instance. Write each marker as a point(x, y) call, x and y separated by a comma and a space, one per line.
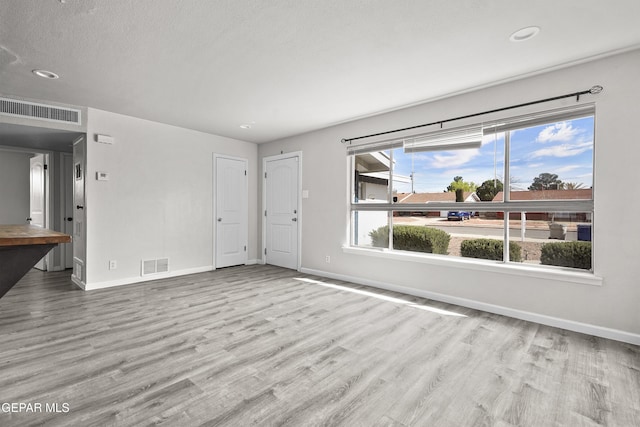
point(232, 214)
point(79, 212)
point(37, 196)
point(67, 219)
point(281, 183)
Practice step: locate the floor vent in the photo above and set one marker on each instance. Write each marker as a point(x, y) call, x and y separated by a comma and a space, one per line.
point(16, 108)
point(154, 266)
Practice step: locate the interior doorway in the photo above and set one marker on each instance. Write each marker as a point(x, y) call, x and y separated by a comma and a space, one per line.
point(19, 142)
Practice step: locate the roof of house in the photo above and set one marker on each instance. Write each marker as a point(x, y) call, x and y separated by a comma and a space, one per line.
point(431, 197)
point(581, 194)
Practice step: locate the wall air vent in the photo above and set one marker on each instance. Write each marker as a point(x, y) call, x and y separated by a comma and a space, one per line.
point(51, 113)
point(154, 266)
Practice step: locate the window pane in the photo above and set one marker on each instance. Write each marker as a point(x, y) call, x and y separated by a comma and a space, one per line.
point(440, 233)
point(370, 229)
point(553, 238)
point(371, 177)
point(553, 161)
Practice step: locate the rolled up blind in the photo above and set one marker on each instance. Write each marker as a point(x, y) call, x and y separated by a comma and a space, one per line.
point(541, 118)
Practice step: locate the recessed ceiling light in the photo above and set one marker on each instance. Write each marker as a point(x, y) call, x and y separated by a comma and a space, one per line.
point(245, 126)
point(46, 74)
point(524, 34)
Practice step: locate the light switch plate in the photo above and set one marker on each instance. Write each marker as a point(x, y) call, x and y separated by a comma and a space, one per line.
point(102, 176)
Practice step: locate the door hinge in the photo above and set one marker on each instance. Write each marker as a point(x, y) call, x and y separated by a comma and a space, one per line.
point(265, 213)
point(265, 251)
point(245, 249)
point(46, 167)
point(245, 173)
point(265, 175)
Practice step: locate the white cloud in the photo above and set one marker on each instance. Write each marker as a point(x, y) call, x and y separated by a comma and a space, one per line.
point(566, 169)
point(454, 159)
point(585, 175)
point(558, 132)
point(491, 138)
point(563, 150)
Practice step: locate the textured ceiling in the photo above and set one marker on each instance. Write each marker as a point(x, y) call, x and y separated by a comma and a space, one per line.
point(289, 66)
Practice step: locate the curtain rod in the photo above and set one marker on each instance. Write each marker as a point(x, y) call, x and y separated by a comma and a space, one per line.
point(594, 90)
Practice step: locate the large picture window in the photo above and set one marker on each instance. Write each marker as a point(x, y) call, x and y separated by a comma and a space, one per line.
point(518, 190)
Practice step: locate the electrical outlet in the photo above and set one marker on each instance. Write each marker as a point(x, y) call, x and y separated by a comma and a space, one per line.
point(113, 264)
point(327, 259)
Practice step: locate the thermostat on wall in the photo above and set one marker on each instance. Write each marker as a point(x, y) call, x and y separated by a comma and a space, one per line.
point(102, 176)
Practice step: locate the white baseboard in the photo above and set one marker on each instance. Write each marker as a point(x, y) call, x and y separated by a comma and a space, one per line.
point(569, 325)
point(146, 278)
point(79, 283)
point(253, 262)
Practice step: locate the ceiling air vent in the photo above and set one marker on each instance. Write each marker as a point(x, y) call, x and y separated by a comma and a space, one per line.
point(52, 113)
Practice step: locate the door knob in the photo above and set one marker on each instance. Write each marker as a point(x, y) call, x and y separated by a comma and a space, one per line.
point(69, 219)
point(29, 219)
point(294, 219)
point(219, 219)
point(79, 207)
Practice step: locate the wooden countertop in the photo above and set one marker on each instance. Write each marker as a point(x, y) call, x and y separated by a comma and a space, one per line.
point(20, 235)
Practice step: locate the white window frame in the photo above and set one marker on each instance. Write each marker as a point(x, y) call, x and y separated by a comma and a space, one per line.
point(507, 206)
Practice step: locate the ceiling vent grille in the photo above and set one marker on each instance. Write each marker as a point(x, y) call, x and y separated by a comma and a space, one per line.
point(154, 266)
point(15, 108)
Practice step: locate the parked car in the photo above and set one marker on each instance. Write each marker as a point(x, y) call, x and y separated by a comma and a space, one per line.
point(458, 215)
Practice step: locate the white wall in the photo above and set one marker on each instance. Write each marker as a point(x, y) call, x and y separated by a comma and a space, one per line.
point(14, 187)
point(158, 200)
point(613, 305)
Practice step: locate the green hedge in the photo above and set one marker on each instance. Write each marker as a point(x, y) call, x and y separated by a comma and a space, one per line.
point(489, 249)
point(412, 238)
point(567, 254)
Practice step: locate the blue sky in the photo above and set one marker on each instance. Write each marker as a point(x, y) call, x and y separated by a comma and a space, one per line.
point(564, 148)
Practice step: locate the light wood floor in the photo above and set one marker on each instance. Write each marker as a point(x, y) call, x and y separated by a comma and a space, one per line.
point(260, 345)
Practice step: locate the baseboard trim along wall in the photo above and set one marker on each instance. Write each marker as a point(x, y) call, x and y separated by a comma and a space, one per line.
point(569, 325)
point(147, 278)
point(134, 280)
point(78, 283)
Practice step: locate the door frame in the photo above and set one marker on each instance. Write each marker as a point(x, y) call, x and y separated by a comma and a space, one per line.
point(216, 156)
point(282, 156)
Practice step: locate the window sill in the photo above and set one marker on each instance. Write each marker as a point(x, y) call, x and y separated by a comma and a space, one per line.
point(523, 270)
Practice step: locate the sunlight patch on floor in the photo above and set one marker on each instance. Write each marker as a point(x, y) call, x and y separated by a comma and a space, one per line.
point(382, 297)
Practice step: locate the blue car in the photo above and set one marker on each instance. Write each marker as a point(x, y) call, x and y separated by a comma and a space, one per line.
point(458, 215)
